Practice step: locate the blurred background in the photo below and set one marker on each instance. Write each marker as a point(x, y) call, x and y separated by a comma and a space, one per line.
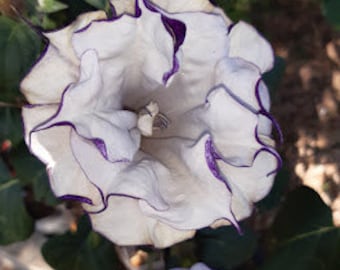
point(295, 227)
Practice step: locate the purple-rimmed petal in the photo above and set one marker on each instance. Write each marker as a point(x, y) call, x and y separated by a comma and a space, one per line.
point(133, 179)
point(58, 61)
point(176, 6)
point(114, 129)
point(262, 96)
point(157, 46)
point(133, 227)
point(190, 168)
point(76, 198)
point(52, 146)
point(177, 29)
point(248, 44)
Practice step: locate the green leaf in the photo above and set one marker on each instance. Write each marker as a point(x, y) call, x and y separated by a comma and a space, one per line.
point(303, 212)
point(316, 250)
point(274, 198)
point(15, 223)
point(42, 190)
point(236, 9)
point(180, 255)
point(83, 250)
point(51, 6)
point(273, 77)
point(19, 48)
point(99, 4)
point(224, 248)
point(4, 173)
point(27, 167)
point(30, 171)
point(11, 125)
point(331, 9)
point(305, 236)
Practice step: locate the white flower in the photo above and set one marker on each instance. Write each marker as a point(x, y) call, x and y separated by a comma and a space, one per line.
point(156, 120)
point(196, 266)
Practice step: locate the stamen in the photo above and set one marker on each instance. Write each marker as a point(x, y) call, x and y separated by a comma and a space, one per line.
point(150, 119)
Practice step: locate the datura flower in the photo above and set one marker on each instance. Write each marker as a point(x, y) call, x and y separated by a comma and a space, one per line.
point(196, 266)
point(156, 120)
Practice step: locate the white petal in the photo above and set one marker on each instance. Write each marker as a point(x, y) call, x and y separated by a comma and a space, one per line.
point(124, 223)
point(241, 78)
point(196, 198)
point(231, 125)
point(256, 181)
point(137, 44)
point(196, 266)
point(52, 146)
point(124, 6)
point(49, 78)
point(205, 44)
point(175, 6)
point(57, 67)
point(132, 179)
point(247, 43)
point(79, 108)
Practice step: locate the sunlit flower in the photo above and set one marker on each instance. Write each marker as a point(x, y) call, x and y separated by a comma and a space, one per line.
point(156, 120)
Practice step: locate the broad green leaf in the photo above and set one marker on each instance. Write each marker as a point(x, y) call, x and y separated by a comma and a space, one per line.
point(27, 167)
point(42, 190)
point(302, 212)
point(304, 234)
point(50, 6)
point(4, 173)
point(83, 250)
point(180, 255)
point(30, 171)
point(316, 250)
point(275, 196)
point(273, 77)
point(224, 248)
point(236, 9)
point(19, 48)
point(331, 9)
point(99, 4)
point(15, 223)
point(11, 125)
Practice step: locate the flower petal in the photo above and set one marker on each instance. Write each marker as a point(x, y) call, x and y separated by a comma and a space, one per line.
point(58, 62)
point(254, 182)
point(205, 44)
point(115, 53)
point(115, 128)
point(247, 43)
point(196, 266)
point(132, 227)
point(124, 7)
point(208, 198)
point(175, 6)
point(52, 146)
point(237, 144)
point(130, 179)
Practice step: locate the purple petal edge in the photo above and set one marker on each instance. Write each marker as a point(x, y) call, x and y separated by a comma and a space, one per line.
point(98, 142)
point(177, 30)
point(270, 150)
point(138, 13)
point(76, 198)
point(265, 113)
point(212, 164)
point(213, 167)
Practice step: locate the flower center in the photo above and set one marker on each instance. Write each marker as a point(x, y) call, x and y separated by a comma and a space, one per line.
point(150, 119)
